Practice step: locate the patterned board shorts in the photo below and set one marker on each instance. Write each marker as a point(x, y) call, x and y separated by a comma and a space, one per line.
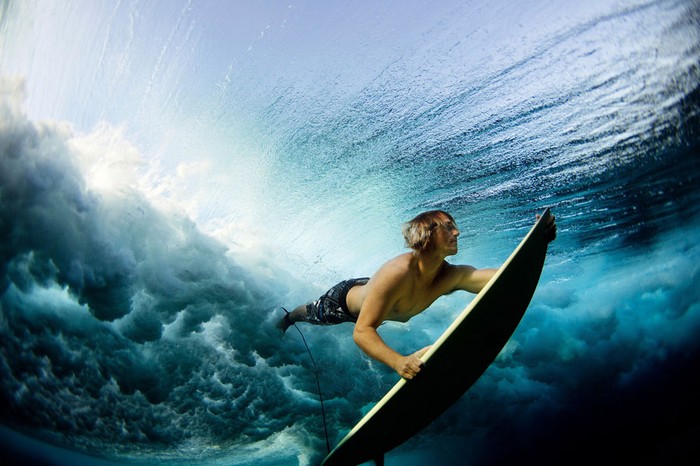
point(331, 308)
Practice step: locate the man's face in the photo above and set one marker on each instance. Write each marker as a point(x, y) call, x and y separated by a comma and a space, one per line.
point(444, 237)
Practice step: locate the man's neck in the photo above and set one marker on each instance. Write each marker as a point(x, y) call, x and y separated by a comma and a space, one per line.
point(428, 264)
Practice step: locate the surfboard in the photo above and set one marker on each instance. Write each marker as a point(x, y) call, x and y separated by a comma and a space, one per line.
point(455, 361)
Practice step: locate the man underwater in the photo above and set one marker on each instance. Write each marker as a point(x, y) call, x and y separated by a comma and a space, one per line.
point(402, 288)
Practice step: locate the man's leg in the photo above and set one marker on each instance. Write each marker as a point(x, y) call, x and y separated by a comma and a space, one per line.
point(299, 314)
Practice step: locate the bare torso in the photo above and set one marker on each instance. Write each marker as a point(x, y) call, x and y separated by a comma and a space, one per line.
point(413, 293)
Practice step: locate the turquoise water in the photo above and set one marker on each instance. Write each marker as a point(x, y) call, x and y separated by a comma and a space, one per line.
point(172, 172)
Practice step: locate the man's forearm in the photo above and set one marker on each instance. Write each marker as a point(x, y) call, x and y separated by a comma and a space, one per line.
point(372, 344)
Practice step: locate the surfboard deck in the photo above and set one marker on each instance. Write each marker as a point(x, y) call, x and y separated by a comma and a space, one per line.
point(455, 361)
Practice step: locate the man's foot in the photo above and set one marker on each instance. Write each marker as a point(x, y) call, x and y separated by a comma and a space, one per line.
point(285, 322)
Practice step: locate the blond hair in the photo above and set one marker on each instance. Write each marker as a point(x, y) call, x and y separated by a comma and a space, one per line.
point(417, 231)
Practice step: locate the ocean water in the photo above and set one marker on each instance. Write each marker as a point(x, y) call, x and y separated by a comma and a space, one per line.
point(171, 172)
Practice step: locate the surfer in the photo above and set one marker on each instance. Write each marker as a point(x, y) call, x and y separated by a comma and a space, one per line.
point(402, 288)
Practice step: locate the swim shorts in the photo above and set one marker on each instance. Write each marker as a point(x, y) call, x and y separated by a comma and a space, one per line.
point(331, 308)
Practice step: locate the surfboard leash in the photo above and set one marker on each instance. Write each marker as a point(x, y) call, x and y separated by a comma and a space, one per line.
point(318, 383)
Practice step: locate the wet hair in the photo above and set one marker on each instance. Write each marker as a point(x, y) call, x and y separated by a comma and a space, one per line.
point(417, 231)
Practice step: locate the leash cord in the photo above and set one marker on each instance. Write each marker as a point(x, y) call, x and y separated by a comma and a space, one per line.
point(318, 383)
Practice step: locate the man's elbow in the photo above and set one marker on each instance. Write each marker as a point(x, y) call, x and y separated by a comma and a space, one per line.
point(359, 335)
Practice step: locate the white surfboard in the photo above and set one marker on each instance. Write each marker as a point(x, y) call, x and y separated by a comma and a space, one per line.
point(455, 361)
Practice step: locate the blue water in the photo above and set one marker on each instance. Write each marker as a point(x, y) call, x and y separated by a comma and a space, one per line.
point(172, 172)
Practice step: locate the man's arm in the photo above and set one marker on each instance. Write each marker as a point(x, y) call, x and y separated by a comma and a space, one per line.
point(472, 279)
point(367, 338)
point(375, 308)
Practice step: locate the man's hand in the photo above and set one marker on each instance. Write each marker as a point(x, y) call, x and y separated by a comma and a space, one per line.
point(409, 366)
point(550, 231)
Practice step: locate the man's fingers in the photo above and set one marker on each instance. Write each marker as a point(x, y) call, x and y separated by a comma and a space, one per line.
point(416, 363)
point(550, 232)
point(412, 367)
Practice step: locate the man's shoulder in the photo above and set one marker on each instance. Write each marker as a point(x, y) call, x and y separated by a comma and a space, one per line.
point(400, 264)
point(395, 270)
point(458, 269)
point(454, 273)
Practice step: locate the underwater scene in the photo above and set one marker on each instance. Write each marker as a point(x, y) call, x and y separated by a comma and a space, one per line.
point(173, 173)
